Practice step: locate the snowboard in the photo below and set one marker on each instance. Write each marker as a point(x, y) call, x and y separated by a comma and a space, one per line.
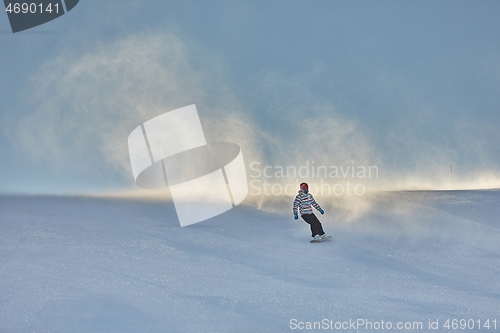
point(321, 240)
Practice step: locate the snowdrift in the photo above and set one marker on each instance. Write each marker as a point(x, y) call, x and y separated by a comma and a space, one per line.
point(76, 264)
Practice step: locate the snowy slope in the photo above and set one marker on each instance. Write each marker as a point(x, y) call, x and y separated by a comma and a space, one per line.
point(72, 264)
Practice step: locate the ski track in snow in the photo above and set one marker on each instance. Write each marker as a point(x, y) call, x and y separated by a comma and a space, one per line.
point(74, 264)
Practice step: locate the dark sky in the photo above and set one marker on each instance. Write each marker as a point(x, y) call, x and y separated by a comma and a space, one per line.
point(409, 86)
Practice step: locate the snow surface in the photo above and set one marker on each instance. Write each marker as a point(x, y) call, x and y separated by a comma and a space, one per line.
point(75, 264)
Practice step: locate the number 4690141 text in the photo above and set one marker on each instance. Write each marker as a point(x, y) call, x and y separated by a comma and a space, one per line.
point(32, 8)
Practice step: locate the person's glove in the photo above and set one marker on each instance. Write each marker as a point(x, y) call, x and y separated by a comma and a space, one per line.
point(321, 211)
point(295, 216)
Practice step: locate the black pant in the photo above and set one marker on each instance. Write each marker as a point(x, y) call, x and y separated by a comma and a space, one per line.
point(316, 228)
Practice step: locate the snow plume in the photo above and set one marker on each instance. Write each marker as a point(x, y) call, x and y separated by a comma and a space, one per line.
point(306, 139)
point(415, 149)
point(305, 131)
point(309, 128)
point(86, 104)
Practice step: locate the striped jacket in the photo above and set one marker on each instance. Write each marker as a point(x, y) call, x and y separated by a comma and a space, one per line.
point(304, 201)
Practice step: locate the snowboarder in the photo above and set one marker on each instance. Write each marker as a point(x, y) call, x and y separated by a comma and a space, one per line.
point(304, 200)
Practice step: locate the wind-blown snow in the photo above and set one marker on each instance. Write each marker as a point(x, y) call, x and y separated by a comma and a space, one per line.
point(73, 264)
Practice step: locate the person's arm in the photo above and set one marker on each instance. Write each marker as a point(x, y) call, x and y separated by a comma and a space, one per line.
point(317, 206)
point(296, 203)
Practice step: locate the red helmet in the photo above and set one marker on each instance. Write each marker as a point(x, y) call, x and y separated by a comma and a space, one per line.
point(304, 187)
